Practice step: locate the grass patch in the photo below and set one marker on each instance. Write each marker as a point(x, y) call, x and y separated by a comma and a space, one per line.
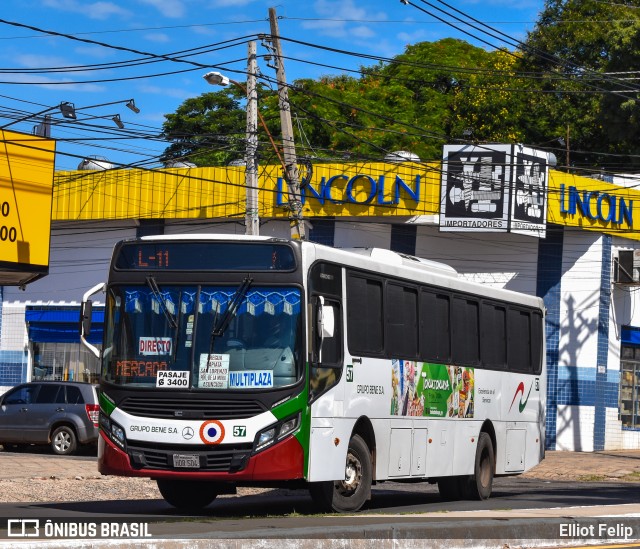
point(632, 477)
point(591, 478)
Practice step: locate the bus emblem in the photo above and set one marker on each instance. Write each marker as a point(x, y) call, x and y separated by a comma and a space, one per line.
point(212, 432)
point(521, 405)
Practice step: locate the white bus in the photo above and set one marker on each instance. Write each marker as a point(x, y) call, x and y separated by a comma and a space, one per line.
point(234, 361)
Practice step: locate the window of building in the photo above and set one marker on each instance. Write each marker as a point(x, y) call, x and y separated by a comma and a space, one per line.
point(629, 398)
point(64, 362)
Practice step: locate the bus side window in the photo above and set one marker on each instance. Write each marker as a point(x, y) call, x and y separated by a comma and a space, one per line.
point(465, 324)
point(519, 347)
point(401, 321)
point(537, 336)
point(493, 335)
point(365, 325)
point(435, 327)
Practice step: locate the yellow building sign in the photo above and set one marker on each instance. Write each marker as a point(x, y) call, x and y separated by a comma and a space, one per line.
point(334, 190)
point(26, 184)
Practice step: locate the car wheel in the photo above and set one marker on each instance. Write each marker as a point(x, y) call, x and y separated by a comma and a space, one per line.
point(187, 495)
point(63, 441)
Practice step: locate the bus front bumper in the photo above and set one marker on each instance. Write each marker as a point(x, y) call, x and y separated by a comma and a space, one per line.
point(282, 461)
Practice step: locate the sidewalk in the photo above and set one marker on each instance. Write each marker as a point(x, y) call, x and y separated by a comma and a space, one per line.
point(42, 465)
point(583, 466)
point(568, 466)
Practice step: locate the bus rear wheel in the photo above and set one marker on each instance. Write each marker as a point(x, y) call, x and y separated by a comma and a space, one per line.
point(350, 494)
point(480, 484)
point(187, 495)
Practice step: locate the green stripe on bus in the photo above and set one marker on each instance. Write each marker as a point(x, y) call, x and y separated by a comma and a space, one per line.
point(299, 403)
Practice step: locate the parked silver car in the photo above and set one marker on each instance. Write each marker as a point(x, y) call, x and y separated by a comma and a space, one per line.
point(63, 414)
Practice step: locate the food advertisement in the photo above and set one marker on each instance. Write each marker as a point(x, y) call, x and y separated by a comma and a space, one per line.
point(431, 390)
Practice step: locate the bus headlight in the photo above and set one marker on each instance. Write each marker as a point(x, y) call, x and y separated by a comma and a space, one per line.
point(289, 426)
point(280, 430)
point(117, 435)
point(112, 430)
point(265, 438)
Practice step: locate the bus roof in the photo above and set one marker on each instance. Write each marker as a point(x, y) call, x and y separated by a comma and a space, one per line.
point(379, 260)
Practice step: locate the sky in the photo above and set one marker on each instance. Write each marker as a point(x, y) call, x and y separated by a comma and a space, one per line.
point(99, 54)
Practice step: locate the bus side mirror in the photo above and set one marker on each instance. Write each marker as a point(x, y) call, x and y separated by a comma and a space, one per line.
point(85, 317)
point(327, 321)
point(325, 326)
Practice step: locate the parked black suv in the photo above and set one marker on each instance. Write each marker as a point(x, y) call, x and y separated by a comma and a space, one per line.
point(63, 414)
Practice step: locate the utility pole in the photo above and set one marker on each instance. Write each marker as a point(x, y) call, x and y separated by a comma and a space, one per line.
point(252, 221)
point(292, 176)
point(568, 149)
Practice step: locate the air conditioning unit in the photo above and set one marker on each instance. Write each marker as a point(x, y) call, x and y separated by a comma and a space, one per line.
point(626, 267)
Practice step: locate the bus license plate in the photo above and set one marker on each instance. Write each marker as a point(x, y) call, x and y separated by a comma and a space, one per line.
point(186, 460)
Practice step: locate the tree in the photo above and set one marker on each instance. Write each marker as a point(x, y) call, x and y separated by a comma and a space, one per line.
point(577, 49)
point(424, 98)
point(209, 130)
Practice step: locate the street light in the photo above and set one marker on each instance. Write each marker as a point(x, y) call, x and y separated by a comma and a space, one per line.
point(252, 220)
point(218, 79)
point(66, 109)
point(69, 111)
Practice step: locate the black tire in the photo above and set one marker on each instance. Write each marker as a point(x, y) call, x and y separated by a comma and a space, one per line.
point(187, 495)
point(350, 494)
point(450, 488)
point(479, 485)
point(63, 441)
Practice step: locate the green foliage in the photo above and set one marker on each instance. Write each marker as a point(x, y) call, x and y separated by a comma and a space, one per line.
point(568, 80)
point(580, 48)
point(210, 130)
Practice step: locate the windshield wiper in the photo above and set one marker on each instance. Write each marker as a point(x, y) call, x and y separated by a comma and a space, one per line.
point(219, 327)
point(151, 282)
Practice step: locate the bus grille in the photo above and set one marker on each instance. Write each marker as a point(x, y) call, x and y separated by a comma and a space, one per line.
point(228, 458)
point(191, 408)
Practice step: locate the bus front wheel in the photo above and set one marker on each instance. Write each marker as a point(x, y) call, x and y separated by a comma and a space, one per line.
point(350, 494)
point(187, 495)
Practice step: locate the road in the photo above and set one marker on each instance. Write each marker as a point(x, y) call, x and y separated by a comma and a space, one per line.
point(393, 506)
point(524, 510)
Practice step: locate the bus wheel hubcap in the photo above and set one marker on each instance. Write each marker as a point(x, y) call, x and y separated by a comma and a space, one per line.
point(352, 475)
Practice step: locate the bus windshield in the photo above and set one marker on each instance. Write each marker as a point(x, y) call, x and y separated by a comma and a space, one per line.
point(178, 337)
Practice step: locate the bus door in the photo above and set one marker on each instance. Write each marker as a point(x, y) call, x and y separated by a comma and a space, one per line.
point(326, 336)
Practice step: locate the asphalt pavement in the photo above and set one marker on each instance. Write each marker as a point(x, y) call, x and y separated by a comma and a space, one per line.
point(566, 466)
point(483, 528)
